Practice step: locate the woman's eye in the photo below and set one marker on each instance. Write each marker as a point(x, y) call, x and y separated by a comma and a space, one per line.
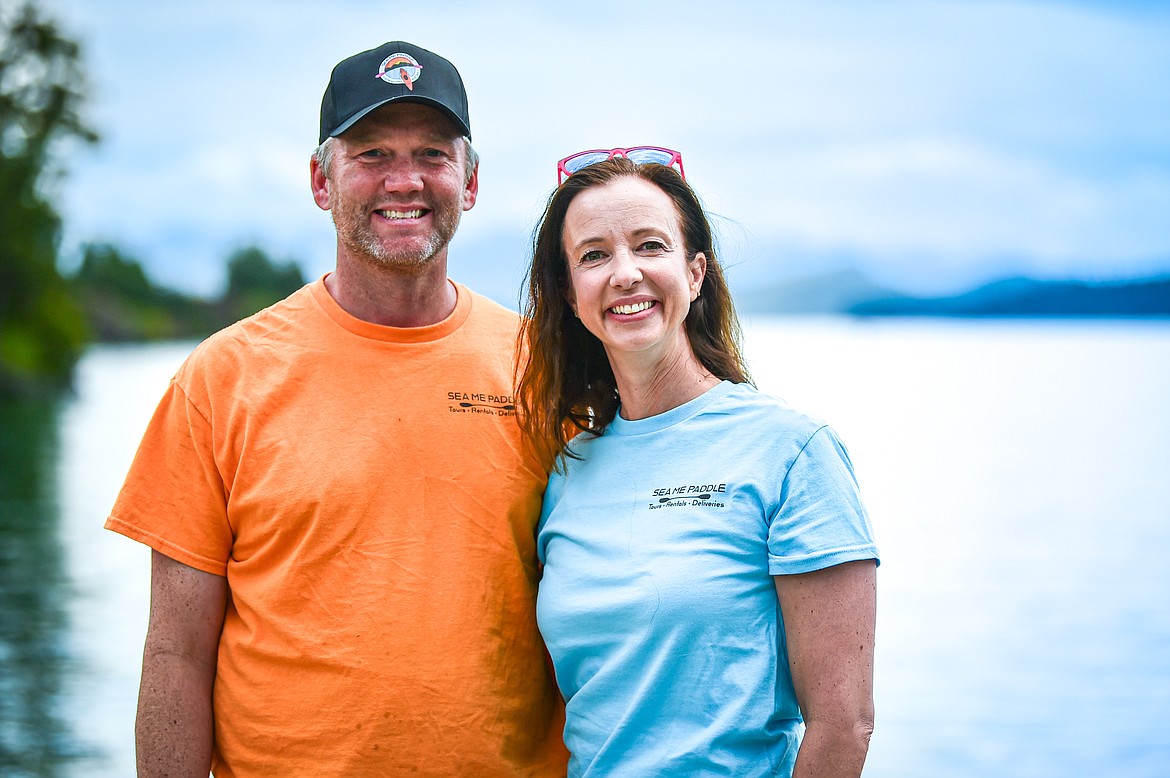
point(653, 245)
point(591, 256)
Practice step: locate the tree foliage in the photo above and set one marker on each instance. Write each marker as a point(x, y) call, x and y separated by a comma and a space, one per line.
point(46, 320)
point(255, 281)
point(121, 303)
point(42, 84)
point(105, 268)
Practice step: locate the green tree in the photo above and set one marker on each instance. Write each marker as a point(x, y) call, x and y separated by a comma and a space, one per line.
point(122, 304)
point(42, 82)
point(105, 268)
point(255, 281)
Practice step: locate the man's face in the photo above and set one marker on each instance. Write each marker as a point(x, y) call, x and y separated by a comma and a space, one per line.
point(397, 187)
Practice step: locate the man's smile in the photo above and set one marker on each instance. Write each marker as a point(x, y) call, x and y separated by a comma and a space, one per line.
point(415, 214)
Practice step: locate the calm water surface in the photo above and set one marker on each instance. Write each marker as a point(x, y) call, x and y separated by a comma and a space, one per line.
point(1017, 474)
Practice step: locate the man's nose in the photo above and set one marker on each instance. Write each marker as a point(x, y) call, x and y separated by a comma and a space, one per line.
point(402, 175)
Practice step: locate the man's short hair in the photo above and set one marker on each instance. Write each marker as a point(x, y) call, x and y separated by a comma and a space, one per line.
point(324, 156)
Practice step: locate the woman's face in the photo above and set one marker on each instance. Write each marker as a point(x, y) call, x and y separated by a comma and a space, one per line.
point(630, 281)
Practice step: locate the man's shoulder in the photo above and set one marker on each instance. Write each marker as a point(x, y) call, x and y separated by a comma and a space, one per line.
point(254, 335)
point(486, 312)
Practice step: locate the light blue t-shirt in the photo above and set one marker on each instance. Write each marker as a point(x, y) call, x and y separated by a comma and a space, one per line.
point(657, 602)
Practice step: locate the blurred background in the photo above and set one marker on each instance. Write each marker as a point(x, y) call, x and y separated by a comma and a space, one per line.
point(946, 223)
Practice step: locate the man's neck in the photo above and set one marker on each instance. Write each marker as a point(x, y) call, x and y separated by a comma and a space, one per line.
point(391, 296)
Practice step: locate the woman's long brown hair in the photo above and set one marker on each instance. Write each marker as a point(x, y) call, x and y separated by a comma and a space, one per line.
point(565, 383)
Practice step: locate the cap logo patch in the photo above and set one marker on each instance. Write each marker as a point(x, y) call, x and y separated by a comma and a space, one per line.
point(400, 69)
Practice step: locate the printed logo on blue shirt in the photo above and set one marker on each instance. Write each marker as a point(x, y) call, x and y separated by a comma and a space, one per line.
point(690, 495)
point(484, 403)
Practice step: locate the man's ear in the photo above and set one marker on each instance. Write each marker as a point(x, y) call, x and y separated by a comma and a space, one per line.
point(319, 184)
point(471, 190)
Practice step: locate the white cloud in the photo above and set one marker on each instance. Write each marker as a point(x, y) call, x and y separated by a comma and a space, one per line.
point(960, 201)
point(1009, 132)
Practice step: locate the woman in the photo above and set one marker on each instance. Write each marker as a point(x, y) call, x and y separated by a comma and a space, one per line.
point(709, 570)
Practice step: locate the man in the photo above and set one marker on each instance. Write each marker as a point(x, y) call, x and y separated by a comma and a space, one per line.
point(339, 505)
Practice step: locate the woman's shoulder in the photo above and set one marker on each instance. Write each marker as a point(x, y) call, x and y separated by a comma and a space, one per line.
point(755, 409)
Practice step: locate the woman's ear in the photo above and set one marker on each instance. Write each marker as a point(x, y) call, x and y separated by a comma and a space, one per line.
point(698, 268)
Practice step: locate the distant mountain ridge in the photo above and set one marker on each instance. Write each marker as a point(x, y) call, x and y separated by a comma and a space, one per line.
point(851, 292)
point(833, 292)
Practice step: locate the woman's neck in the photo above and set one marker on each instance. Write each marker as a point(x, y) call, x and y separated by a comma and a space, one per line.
point(648, 388)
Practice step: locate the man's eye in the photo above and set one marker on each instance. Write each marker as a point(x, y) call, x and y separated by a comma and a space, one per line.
point(371, 153)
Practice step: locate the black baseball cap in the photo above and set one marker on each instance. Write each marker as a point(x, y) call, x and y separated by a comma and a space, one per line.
point(394, 71)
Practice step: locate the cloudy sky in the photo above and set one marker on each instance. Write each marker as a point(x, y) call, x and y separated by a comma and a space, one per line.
point(931, 144)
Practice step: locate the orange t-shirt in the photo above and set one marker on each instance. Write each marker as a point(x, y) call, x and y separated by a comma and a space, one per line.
point(366, 493)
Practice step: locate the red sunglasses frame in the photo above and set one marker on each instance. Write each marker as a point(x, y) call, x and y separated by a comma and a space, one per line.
point(675, 159)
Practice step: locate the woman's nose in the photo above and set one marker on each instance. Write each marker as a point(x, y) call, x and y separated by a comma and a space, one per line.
point(624, 270)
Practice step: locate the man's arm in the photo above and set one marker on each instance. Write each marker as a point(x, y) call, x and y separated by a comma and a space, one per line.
point(174, 726)
point(829, 618)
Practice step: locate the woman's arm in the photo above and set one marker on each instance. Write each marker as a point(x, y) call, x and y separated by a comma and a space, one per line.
point(829, 618)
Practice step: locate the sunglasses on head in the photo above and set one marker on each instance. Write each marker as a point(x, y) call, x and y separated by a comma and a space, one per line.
point(639, 155)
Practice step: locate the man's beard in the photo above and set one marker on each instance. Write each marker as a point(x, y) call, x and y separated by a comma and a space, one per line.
point(357, 235)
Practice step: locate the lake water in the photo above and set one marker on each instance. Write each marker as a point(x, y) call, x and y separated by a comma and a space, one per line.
point(1018, 474)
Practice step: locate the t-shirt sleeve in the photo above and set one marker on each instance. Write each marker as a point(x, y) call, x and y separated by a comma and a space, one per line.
point(820, 520)
point(174, 499)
